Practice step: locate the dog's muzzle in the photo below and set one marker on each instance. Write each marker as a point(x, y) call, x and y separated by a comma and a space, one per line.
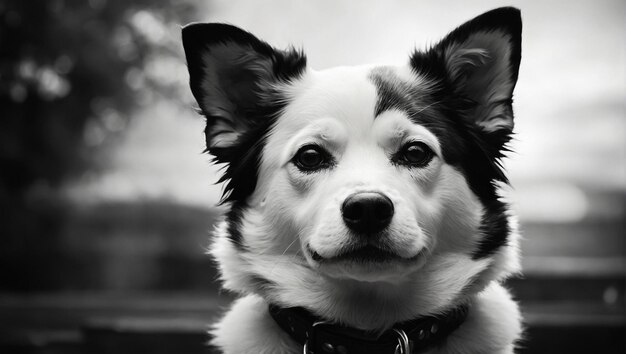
point(367, 213)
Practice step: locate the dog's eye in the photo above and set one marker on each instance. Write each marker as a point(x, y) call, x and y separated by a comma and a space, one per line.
point(311, 158)
point(415, 154)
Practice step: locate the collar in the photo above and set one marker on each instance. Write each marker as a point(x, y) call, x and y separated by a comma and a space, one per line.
point(321, 337)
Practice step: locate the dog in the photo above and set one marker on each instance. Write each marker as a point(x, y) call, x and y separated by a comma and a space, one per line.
point(365, 206)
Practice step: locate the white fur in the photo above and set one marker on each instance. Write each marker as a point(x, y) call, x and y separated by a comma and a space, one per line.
point(436, 220)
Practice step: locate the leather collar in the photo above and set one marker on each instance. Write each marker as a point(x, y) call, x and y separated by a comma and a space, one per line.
point(320, 337)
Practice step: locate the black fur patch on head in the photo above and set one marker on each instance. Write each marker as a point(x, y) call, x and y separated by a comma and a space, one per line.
point(434, 106)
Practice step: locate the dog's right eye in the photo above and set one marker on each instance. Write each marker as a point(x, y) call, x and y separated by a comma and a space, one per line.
point(311, 158)
point(414, 154)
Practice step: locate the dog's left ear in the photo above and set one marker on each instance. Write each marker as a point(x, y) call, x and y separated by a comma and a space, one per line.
point(480, 60)
point(232, 74)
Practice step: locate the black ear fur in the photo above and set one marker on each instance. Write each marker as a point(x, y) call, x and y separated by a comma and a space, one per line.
point(479, 62)
point(231, 73)
point(233, 76)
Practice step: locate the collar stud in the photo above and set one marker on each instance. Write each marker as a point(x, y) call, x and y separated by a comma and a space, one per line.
point(328, 348)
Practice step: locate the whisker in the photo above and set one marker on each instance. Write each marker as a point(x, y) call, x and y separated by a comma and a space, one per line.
point(289, 259)
point(427, 106)
point(291, 244)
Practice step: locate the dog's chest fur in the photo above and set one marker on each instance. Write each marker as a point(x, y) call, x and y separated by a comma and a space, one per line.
point(367, 195)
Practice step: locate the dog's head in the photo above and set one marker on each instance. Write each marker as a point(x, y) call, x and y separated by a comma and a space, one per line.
point(355, 177)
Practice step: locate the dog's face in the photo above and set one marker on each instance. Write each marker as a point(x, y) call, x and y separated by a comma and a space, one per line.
point(362, 187)
point(372, 174)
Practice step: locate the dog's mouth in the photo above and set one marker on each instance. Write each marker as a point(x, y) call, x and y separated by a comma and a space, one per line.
point(365, 254)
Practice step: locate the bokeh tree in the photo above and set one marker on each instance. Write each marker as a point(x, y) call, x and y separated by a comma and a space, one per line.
point(71, 75)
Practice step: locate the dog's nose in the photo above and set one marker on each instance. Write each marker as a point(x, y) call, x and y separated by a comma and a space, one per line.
point(367, 212)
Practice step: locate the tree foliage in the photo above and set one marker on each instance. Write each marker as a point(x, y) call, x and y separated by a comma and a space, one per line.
point(71, 75)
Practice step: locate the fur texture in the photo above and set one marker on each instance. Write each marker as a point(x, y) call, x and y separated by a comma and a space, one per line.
point(298, 143)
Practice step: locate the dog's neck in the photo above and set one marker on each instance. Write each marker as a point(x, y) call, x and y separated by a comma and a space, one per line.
point(318, 335)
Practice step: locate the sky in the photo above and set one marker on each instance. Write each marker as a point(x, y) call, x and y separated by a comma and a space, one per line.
point(569, 101)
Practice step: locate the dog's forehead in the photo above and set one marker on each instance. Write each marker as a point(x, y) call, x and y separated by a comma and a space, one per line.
point(345, 94)
point(352, 96)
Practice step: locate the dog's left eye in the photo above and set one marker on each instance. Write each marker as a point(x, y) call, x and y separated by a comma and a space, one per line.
point(311, 158)
point(414, 154)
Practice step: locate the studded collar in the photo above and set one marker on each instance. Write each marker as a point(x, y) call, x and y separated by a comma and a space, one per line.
point(411, 337)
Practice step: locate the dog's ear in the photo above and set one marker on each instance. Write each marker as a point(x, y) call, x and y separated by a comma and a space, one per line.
point(480, 61)
point(232, 74)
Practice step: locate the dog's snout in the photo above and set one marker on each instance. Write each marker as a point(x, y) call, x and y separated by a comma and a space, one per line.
point(367, 212)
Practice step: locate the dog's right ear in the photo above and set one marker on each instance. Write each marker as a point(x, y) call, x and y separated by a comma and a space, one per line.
point(232, 75)
point(480, 61)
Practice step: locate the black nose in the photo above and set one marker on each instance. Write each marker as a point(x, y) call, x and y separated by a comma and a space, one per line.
point(367, 212)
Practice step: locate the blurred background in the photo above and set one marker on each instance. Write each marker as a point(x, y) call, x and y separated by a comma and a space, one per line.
point(106, 200)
